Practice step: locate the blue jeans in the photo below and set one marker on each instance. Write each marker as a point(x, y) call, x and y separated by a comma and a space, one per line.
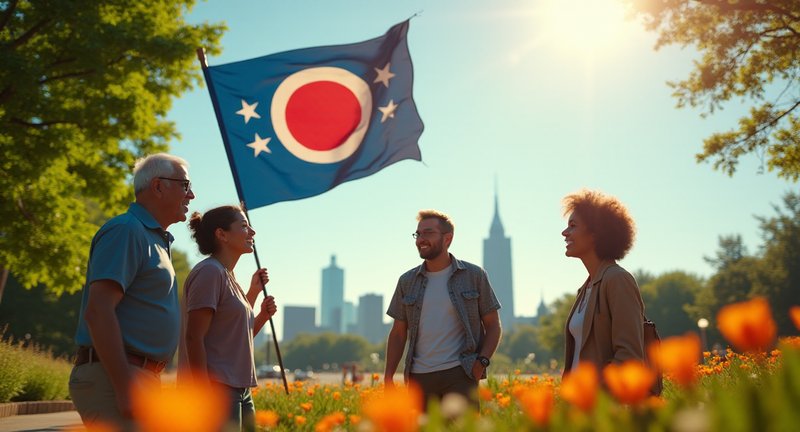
point(243, 410)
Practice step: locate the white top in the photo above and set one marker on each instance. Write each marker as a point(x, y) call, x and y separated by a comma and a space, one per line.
point(576, 325)
point(441, 334)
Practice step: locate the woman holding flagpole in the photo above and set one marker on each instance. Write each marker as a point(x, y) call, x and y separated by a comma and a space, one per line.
point(218, 318)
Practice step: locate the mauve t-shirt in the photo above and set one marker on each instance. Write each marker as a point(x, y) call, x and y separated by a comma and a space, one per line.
point(229, 341)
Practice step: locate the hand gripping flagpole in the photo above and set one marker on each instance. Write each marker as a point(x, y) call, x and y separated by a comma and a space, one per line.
point(201, 56)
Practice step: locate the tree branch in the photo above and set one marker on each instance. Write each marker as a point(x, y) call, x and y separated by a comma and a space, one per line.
point(5, 94)
point(28, 34)
point(66, 75)
point(769, 124)
point(769, 32)
point(12, 6)
point(60, 62)
point(24, 211)
point(79, 73)
point(38, 125)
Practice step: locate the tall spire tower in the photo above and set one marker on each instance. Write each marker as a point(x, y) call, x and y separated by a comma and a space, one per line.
point(497, 263)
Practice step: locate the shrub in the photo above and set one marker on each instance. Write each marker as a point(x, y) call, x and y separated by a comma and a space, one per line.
point(13, 369)
point(46, 379)
point(29, 374)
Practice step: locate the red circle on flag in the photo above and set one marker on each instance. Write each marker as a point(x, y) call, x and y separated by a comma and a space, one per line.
point(340, 98)
point(321, 115)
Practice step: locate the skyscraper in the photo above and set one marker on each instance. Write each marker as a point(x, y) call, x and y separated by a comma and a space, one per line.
point(370, 318)
point(298, 319)
point(350, 317)
point(497, 263)
point(332, 307)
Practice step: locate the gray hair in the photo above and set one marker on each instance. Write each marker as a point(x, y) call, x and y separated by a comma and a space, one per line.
point(155, 165)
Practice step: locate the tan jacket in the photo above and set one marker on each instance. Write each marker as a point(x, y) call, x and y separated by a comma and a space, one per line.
point(612, 326)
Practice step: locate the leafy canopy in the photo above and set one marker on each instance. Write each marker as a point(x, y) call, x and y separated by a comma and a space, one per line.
point(750, 49)
point(85, 88)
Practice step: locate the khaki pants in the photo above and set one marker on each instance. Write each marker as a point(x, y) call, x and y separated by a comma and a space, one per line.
point(435, 385)
point(94, 397)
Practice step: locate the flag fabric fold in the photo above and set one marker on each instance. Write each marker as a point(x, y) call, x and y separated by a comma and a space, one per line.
point(299, 123)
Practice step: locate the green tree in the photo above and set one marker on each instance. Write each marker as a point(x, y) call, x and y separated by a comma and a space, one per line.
point(731, 250)
point(749, 49)
point(85, 87)
point(667, 298)
point(643, 277)
point(551, 327)
point(314, 351)
point(780, 261)
point(519, 344)
point(737, 273)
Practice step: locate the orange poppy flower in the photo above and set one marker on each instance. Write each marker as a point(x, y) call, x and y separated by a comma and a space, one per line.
point(538, 403)
point(306, 406)
point(794, 313)
point(579, 386)
point(396, 410)
point(748, 325)
point(188, 407)
point(484, 393)
point(677, 357)
point(267, 419)
point(300, 420)
point(330, 422)
point(629, 382)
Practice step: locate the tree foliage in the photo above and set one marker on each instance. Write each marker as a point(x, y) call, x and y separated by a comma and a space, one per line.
point(780, 269)
point(750, 49)
point(315, 351)
point(773, 273)
point(551, 327)
point(668, 298)
point(85, 88)
point(523, 341)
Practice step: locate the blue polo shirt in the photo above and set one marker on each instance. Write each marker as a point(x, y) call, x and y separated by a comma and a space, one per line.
point(133, 250)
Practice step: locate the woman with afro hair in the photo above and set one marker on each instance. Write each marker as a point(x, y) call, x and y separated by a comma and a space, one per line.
point(605, 323)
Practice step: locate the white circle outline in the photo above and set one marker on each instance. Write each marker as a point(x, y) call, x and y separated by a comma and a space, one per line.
point(286, 89)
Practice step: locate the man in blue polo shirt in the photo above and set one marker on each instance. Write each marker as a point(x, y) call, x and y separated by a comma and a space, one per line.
point(129, 324)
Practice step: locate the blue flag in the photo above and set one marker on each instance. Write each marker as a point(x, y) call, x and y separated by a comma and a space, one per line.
point(299, 123)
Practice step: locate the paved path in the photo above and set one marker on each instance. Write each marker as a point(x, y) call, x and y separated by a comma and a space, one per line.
point(59, 421)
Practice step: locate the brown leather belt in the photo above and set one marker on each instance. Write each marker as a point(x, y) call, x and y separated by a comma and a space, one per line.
point(89, 355)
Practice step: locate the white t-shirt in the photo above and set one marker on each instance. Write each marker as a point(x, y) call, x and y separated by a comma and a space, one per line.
point(576, 325)
point(441, 333)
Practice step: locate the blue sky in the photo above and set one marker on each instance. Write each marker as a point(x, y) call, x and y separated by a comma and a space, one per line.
point(548, 97)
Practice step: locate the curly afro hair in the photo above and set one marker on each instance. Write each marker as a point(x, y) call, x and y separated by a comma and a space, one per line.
point(606, 218)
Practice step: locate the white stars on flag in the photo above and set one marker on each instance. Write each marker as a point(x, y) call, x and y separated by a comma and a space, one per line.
point(259, 145)
point(384, 75)
point(248, 111)
point(388, 110)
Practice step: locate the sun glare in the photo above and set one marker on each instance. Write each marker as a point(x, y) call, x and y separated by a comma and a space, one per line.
point(584, 28)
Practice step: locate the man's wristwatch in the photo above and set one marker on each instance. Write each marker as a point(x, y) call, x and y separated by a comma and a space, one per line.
point(484, 361)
